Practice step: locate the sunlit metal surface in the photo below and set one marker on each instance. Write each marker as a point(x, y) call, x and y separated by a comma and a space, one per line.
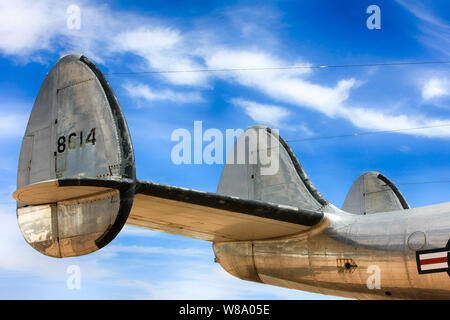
point(76, 133)
point(289, 185)
point(334, 256)
point(209, 216)
point(311, 261)
point(372, 193)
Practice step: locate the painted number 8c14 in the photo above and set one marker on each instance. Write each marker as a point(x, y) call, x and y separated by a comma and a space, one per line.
point(75, 140)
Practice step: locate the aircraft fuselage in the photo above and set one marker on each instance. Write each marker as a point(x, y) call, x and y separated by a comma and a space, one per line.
point(355, 256)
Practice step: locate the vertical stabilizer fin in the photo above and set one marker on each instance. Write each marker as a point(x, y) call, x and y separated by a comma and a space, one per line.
point(271, 172)
point(76, 175)
point(372, 192)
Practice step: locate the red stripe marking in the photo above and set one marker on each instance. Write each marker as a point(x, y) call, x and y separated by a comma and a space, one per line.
point(433, 260)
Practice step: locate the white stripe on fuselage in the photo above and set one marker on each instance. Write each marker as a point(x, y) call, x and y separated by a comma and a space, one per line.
point(434, 266)
point(441, 254)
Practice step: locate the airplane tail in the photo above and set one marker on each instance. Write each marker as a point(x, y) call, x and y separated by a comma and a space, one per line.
point(76, 180)
point(76, 177)
point(371, 193)
point(77, 187)
point(261, 166)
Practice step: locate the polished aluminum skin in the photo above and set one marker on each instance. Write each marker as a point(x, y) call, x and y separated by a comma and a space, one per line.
point(336, 256)
point(372, 193)
point(75, 147)
point(366, 253)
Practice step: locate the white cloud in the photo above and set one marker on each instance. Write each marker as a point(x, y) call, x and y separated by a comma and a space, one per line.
point(143, 91)
point(27, 26)
point(29, 29)
point(262, 113)
point(435, 88)
point(286, 86)
point(147, 41)
point(164, 49)
point(373, 119)
point(333, 102)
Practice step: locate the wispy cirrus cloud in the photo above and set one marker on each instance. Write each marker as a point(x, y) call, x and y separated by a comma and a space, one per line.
point(142, 91)
point(164, 49)
point(296, 90)
point(31, 29)
point(435, 31)
point(164, 46)
point(262, 113)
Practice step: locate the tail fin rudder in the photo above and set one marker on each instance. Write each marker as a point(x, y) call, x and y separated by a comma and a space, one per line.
point(261, 166)
point(76, 174)
point(371, 193)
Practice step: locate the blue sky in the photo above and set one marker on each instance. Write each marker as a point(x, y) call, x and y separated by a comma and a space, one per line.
point(123, 36)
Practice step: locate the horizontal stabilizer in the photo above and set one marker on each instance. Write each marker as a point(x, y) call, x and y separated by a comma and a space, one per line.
point(214, 217)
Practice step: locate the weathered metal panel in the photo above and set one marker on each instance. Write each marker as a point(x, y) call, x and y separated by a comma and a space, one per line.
point(237, 259)
point(340, 255)
point(373, 193)
point(76, 148)
point(264, 150)
point(213, 217)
